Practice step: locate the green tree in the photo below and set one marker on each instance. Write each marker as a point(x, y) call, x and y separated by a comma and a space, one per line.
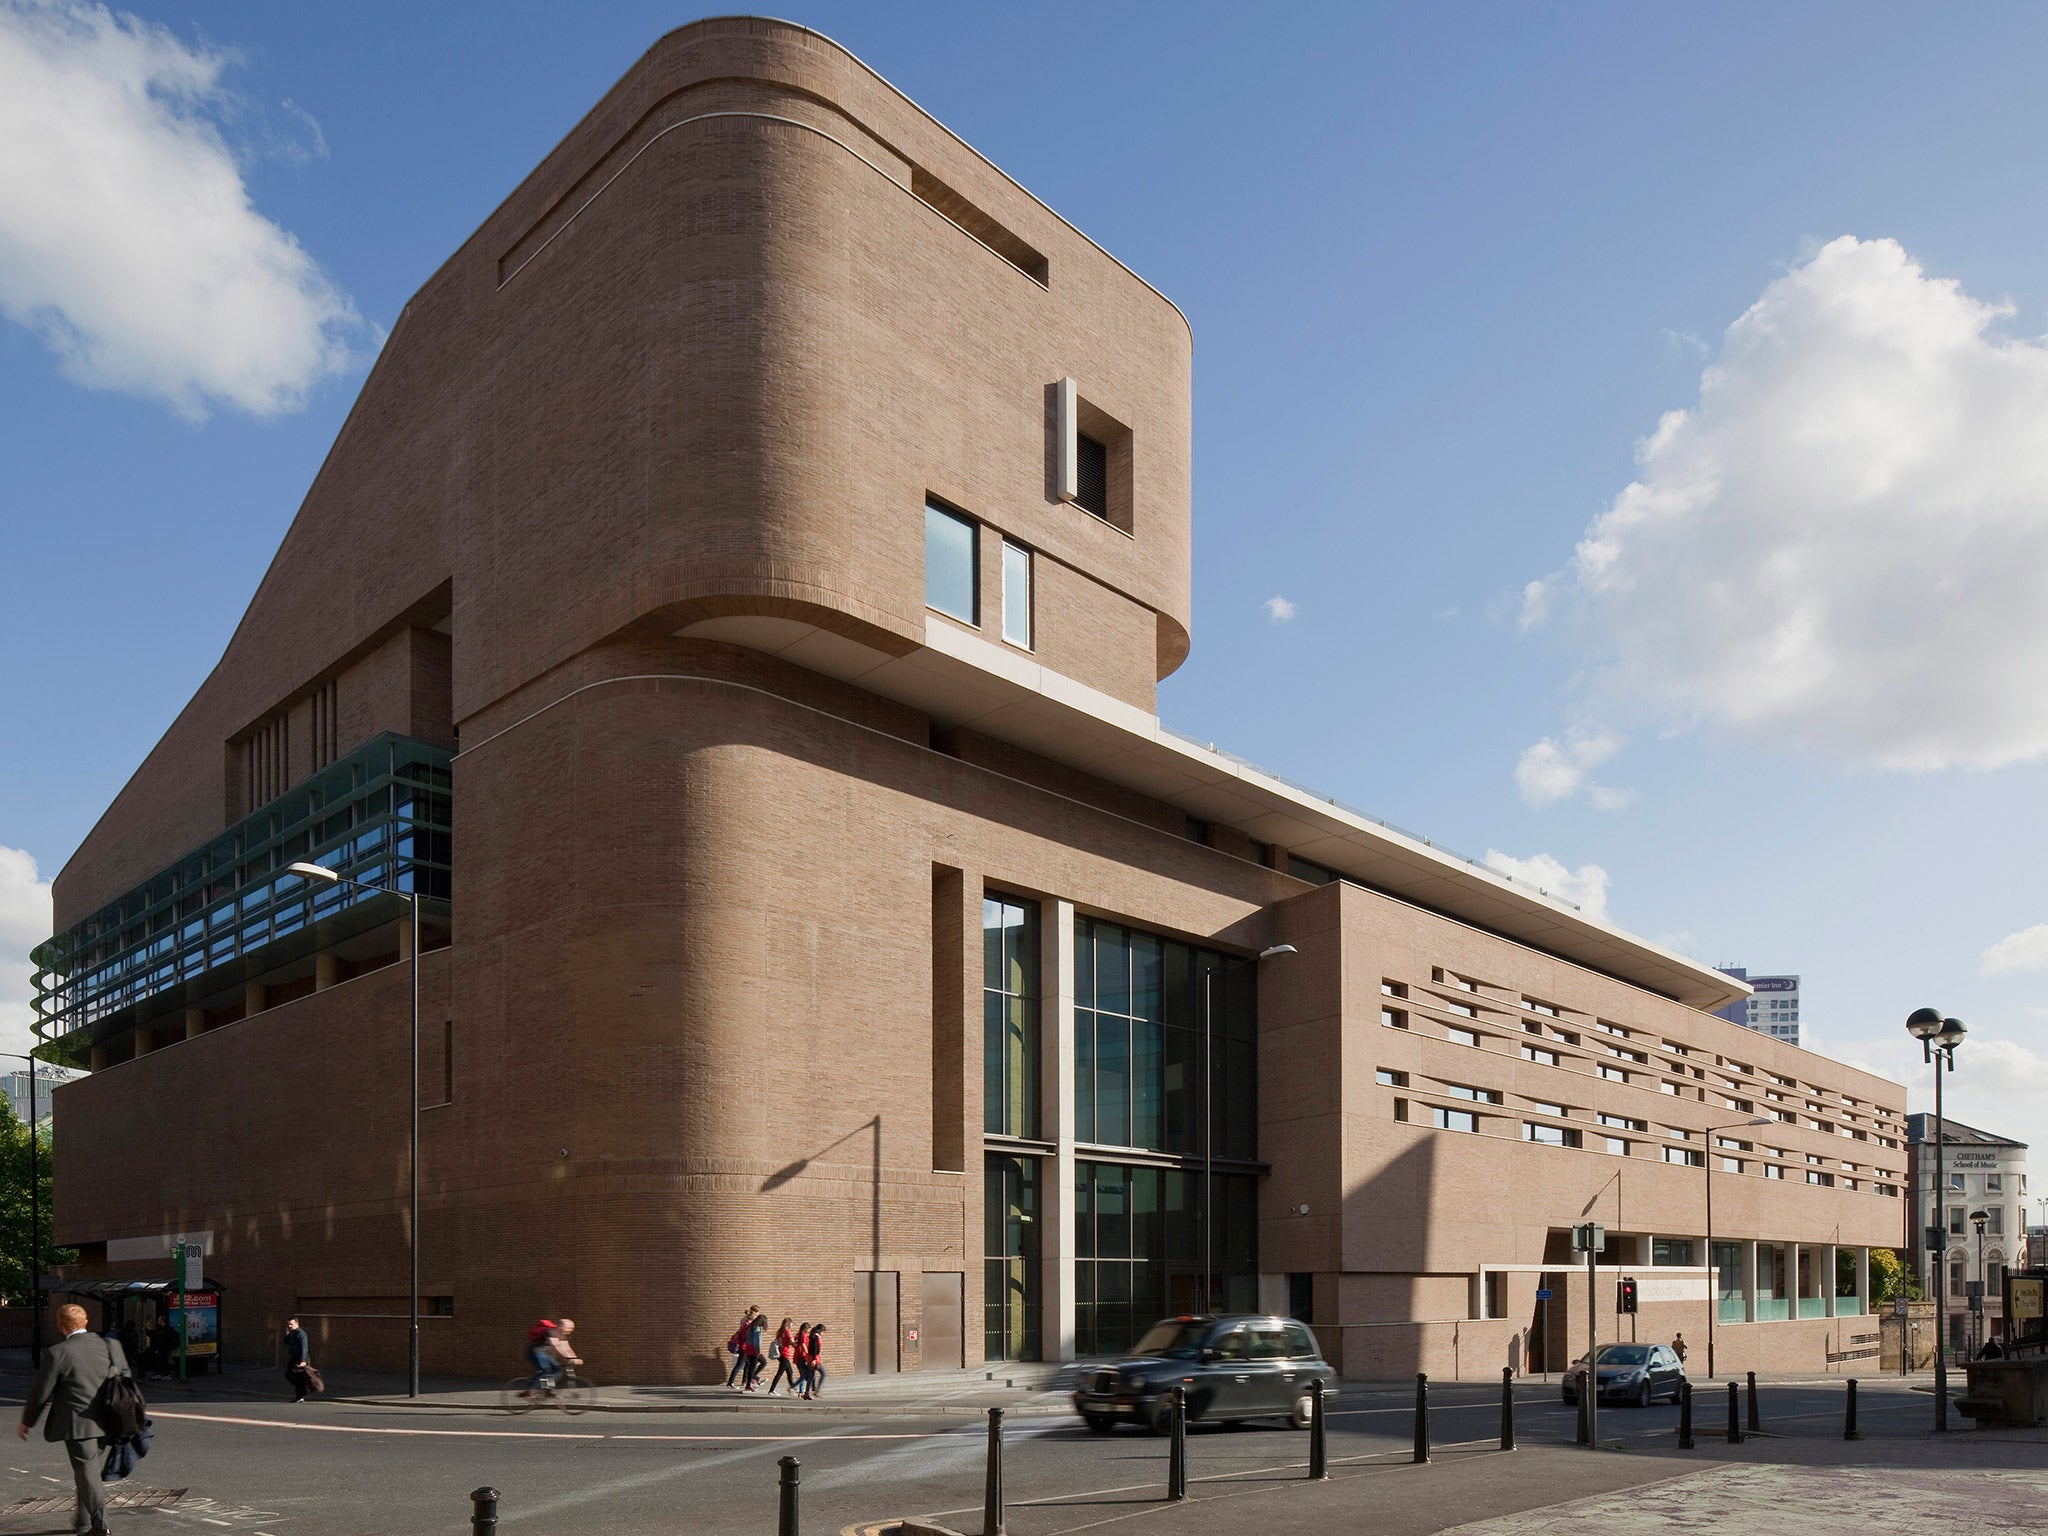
point(1889, 1277)
point(16, 1265)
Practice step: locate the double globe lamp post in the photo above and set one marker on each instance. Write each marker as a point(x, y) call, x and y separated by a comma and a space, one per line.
point(1938, 1039)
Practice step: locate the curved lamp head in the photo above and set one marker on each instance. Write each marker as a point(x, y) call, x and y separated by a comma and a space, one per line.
point(321, 872)
point(1924, 1023)
point(1980, 1217)
point(1278, 949)
point(1952, 1032)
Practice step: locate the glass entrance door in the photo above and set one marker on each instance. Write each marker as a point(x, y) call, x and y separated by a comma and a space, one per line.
point(1011, 1211)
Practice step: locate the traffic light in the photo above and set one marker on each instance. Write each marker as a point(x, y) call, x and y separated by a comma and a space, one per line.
point(1628, 1295)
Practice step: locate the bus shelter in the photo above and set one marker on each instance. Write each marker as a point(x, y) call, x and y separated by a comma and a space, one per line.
point(144, 1315)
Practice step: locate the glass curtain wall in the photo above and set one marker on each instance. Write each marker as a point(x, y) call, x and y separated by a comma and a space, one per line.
point(1009, 1012)
point(1140, 1004)
point(1138, 1250)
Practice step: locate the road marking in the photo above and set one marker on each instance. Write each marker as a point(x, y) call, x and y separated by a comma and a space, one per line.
point(523, 1434)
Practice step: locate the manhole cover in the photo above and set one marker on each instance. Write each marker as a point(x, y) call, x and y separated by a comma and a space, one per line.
point(128, 1498)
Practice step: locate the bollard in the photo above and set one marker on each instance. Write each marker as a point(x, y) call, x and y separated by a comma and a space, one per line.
point(1421, 1417)
point(1507, 1408)
point(1318, 1449)
point(1734, 1416)
point(1849, 1429)
point(1585, 1433)
point(1755, 1424)
point(1177, 1449)
point(483, 1517)
point(992, 1488)
point(1685, 1415)
point(785, 1520)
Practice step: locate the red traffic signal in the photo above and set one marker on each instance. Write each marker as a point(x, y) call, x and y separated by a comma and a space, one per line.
point(1628, 1296)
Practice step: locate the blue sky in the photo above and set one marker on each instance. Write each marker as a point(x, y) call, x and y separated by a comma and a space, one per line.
point(1448, 268)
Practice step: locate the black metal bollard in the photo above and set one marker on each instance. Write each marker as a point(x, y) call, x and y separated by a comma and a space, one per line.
point(1734, 1415)
point(1585, 1434)
point(1754, 1422)
point(1685, 1415)
point(1421, 1417)
point(483, 1514)
point(1849, 1429)
point(785, 1519)
point(992, 1487)
point(1507, 1408)
point(1318, 1448)
point(1177, 1449)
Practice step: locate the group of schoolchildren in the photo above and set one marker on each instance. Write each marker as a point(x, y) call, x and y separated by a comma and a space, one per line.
point(797, 1350)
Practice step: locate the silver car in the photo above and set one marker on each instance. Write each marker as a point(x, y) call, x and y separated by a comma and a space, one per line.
point(1233, 1368)
point(1630, 1373)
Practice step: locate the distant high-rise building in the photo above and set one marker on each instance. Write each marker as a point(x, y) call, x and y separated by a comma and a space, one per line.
point(1772, 1008)
point(15, 1084)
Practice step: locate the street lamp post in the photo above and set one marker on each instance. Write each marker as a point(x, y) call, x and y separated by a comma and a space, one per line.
point(1208, 1128)
point(412, 901)
point(1938, 1039)
point(1713, 1269)
point(35, 1218)
point(1977, 1320)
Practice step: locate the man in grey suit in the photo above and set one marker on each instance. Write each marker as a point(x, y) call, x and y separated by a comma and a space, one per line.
point(70, 1379)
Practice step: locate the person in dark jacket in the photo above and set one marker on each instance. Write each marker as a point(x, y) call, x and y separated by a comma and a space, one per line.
point(73, 1370)
point(298, 1358)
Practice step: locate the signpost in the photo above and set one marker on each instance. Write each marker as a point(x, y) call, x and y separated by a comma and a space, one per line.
point(1589, 1238)
point(1543, 1320)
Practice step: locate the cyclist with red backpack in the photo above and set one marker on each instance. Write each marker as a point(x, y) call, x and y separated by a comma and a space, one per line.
point(547, 1348)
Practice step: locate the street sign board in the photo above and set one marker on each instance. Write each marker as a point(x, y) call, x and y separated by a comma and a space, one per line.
point(1899, 1307)
point(193, 1257)
point(1544, 1294)
point(1934, 1239)
point(1588, 1237)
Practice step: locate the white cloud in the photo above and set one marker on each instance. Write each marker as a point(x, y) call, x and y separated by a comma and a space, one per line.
point(2026, 950)
point(1585, 887)
point(1279, 609)
point(1842, 545)
point(128, 240)
point(1554, 770)
point(24, 923)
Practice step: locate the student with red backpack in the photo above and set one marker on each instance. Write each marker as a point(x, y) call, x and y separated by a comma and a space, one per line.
point(736, 1346)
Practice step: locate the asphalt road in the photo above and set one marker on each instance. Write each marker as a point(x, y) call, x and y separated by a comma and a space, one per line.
point(324, 1467)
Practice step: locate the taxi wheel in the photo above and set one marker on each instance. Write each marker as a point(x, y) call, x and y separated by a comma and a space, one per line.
point(1101, 1423)
point(1302, 1412)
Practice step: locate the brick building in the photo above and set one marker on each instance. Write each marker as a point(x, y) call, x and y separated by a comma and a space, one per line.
point(734, 607)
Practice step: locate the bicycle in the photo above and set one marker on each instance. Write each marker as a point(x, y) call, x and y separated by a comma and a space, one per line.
point(567, 1390)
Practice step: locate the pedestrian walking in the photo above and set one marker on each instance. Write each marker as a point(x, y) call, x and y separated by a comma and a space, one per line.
point(802, 1357)
point(756, 1350)
point(814, 1357)
point(785, 1357)
point(1678, 1347)
point(736, 1346)
point(73, 1370)
point(298, 1359)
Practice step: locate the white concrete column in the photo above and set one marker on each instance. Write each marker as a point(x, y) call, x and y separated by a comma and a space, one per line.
point(1749, 1294)
point(1828, 1290)
point(1863, 1282)
point(1792, 1282)
point(1056, 1081)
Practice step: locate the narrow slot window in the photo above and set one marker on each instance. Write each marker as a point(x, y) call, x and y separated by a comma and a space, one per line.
point(1017, 594)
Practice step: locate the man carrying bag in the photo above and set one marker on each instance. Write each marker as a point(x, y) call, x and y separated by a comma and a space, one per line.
point(70, 1385)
